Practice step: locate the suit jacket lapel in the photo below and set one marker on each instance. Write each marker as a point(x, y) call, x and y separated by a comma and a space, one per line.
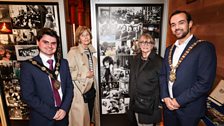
point(38, 59)
point(62, 73)
point(193, 40)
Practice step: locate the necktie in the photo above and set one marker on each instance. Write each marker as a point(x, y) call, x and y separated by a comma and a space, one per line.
point(55, 91)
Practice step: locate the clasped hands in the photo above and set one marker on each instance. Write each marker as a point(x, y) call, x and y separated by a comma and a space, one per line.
point(171, 103)
point(60, 114)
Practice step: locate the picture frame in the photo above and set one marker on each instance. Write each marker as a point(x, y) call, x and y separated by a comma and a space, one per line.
point(115, 46)
point(4, 116)
point(19, 23)
point(217, 94)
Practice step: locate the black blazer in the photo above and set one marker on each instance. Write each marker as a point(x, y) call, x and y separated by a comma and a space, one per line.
point(146, 77)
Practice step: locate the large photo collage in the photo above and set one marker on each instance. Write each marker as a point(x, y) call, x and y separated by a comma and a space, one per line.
point(119, 27)
point(19, 24)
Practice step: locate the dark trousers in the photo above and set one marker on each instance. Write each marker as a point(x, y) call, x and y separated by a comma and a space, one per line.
point(63, 122)
point(172, 118)
point(90, 106)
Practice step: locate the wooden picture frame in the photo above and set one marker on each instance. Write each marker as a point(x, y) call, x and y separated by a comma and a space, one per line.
point(4, 116)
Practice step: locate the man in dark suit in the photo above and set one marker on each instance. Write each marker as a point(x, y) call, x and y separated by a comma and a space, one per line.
point(187, 75)
point(46, 83)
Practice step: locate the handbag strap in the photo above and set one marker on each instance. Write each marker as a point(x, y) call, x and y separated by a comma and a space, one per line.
point(77, 87)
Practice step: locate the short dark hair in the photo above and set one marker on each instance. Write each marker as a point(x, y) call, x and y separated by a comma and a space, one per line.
point(52, 33)
point(189, 18)
point(47, 31)
point(109, 60)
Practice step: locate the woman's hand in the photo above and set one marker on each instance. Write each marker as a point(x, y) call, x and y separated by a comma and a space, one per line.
point(90, 74)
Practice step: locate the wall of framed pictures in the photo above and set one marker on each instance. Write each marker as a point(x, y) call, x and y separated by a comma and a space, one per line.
point(19, 22)
point(116, 26)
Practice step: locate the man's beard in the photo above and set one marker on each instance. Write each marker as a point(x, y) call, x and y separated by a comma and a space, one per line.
point(184, 34)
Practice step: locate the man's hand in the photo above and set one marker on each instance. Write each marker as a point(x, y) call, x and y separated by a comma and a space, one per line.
point(175, 103)
point(171, 104)
point(60, 114)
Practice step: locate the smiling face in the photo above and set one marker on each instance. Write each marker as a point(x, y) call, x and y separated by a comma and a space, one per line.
point(180, 27)
point(47, 45)
point(145, 44)
point(85, 38)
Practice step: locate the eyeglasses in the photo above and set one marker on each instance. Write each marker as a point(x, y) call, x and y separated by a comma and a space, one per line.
point(145, 43)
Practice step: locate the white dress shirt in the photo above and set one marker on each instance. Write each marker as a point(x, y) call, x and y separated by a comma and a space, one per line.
point(176, 56)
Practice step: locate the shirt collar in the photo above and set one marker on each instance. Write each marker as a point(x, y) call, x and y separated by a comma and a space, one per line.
point(44, 58)
point(90, 47)
point(185, 42)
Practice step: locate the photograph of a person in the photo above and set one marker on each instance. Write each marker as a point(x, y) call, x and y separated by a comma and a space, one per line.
point(32, 16)
point(118, 45)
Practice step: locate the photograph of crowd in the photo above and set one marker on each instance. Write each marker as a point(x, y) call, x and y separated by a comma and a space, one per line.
point(119, 27)
point(24, 52)
point(19, 24)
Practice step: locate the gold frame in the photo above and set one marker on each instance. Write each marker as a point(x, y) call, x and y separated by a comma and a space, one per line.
point(2, 114)
point(3, 108)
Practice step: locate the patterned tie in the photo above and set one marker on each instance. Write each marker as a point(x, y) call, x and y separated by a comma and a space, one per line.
point(55, 91)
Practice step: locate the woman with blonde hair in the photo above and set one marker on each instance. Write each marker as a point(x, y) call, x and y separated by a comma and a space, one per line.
point(84, 109)
point(144, 83)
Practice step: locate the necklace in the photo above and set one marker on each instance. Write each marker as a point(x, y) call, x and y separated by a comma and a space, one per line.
point(172, 76)
point(52, 74)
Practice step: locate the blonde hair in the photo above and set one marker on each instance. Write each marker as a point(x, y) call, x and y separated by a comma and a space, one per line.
point(78, 33)
point(147, 36)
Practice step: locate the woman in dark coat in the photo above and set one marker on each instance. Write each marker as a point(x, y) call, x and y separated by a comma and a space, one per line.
point(144, 83)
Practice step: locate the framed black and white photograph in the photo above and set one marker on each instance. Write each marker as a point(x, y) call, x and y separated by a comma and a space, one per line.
point(19, 23)
point(118, 27)
point(24, 52)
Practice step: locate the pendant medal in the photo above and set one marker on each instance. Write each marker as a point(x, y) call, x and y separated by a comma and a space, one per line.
point(172, 76)
point(57, 84)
